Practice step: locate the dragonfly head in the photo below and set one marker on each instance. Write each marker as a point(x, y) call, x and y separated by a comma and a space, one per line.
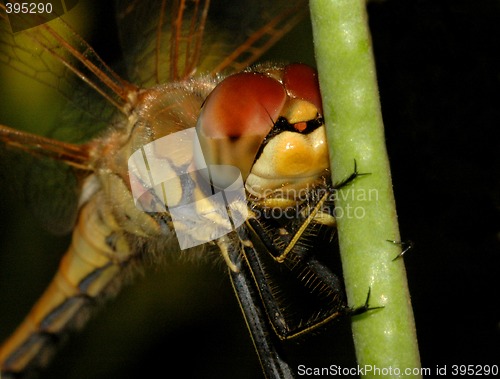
point(267, 122)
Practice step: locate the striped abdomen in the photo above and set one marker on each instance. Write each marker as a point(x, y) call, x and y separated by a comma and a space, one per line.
point(92, 267)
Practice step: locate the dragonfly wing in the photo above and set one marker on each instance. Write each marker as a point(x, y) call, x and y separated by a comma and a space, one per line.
point(194, 38)
point(52, 52)
point(45, 187)
point(56, 56)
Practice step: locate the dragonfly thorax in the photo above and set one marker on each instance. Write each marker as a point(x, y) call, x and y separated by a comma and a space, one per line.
point(160, 111)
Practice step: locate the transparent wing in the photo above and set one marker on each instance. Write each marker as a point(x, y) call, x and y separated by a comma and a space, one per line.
point(167, 41)
point(55, 55)
point(47, 188)
point(266, 22)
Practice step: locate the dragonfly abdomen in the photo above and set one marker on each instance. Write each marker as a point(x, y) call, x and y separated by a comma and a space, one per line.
point(98, 257)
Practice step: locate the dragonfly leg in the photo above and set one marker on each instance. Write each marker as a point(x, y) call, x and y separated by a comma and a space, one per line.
point(316, 279)
point(273, 365)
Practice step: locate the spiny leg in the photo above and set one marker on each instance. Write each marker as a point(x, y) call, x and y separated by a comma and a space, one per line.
point(315, 278)
point(273, 365)
point(287, 247)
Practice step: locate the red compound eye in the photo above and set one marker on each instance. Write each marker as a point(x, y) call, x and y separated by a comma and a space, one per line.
point(236, 118)
point(301, 82)
point(242, 105)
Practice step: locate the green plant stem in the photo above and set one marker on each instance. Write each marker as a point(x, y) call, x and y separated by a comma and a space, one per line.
point(384, 338)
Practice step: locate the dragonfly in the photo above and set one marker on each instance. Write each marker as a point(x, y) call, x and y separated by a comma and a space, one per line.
point(180, 78)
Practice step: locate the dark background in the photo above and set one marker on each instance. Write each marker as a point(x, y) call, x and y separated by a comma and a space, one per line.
point(439, 73)
point(438, 70)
